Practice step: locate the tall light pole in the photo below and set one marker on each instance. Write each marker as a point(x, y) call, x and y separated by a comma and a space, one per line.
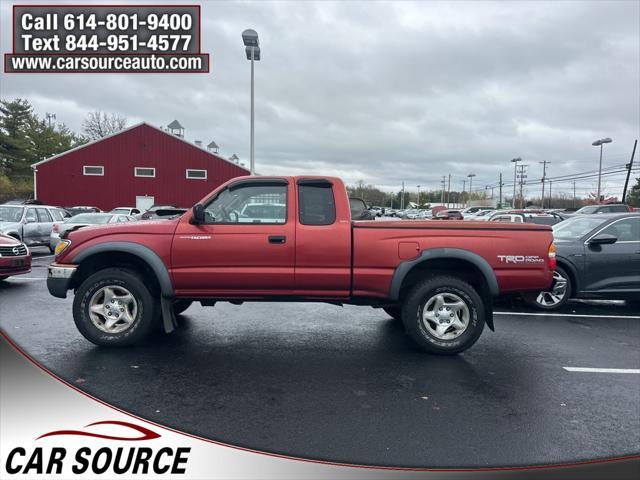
point(515, 172)
point(252, 49)
point(600, 143)
point(471, 175)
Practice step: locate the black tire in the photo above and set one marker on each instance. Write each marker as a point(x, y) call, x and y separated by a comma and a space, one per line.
point(532, 298)
point(180, 306)
point(394, 312)
point(424, 292)
point(145, 314)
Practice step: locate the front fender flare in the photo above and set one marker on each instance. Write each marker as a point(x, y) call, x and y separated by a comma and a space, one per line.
point(144, 253)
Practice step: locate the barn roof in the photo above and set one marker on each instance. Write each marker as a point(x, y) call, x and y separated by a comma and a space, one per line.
point(180, 139)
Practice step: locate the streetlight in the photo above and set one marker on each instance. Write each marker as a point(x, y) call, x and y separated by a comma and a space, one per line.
point(471, 175)
point(515, 172)
point(252, 49)
point(600, 143)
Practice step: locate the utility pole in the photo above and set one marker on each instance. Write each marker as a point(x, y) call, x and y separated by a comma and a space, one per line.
point(521, 177)
point(464, 184)
point(630, 166)
point(544, 177)
point(449, 191)
point(500, 196)
point(402, 198)
point(418, 195)
point(515, 182)
point(574, 194)
point(550, 197)
point(444, 184)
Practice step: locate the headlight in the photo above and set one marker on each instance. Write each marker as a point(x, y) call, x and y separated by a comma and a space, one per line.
point(62, 246)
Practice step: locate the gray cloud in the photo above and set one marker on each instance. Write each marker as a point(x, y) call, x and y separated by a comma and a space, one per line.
point(391, 92)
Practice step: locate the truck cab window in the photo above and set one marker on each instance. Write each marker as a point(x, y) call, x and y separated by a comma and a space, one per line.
point(317, 204)
point(250, 204)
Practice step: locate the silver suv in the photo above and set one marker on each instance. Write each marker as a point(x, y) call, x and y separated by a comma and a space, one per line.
point(31, 224)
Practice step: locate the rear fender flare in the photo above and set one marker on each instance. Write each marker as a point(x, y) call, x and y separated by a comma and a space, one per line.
point(145, 254)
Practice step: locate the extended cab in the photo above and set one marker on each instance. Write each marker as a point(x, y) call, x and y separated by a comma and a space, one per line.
point(437, 278)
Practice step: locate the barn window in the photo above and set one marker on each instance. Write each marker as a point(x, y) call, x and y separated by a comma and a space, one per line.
point(196, 174)
point(145, 172)
point(93, 170)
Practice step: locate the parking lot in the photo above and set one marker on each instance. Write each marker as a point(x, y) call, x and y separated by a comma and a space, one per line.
point(346, 384)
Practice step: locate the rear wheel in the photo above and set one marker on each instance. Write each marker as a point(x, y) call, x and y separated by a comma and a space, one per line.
point(443, 315)
point(555, 297)
point(114, 307)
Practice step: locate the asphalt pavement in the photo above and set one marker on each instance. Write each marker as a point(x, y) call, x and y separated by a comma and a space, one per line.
point(347, 385)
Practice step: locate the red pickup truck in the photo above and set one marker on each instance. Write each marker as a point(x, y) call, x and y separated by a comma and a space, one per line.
point(292, 239)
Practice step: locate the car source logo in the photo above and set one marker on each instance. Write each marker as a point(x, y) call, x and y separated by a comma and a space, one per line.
point(16, 250)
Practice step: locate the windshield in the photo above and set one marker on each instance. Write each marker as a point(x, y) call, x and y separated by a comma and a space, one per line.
point(10, 214)
point(120, 210)
point(89, 218)
point(575, 228)
point(588, 209)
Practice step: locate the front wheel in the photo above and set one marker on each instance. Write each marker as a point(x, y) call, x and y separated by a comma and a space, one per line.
point(114, 307)
point(554, 298)
point(443, 315)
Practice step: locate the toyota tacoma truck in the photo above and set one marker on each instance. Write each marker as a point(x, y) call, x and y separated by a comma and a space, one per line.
point(293, 239)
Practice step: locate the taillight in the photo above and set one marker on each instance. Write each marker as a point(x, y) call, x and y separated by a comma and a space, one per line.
point(56, 228)
point(552, 256)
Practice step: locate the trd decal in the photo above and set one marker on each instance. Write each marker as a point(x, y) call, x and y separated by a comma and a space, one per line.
point(520, 259)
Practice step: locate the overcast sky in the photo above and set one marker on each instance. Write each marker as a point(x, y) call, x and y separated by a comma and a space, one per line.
point(386, 92)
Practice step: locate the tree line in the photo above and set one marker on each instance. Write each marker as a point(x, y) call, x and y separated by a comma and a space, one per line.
point(27, 138)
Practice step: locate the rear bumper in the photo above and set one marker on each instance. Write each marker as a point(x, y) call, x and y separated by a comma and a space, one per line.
point(59, 279)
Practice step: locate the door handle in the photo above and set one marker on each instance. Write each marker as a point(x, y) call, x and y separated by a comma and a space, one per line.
point(277, 239)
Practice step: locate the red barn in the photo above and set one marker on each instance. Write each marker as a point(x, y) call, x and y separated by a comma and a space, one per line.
point(139, 166)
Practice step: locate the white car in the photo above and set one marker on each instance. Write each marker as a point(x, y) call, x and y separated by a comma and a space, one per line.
point(125, 211)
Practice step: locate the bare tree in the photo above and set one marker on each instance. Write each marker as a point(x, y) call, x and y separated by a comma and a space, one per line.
point(100, 124)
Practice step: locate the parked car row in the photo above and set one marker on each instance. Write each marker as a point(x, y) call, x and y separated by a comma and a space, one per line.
point(35, 224)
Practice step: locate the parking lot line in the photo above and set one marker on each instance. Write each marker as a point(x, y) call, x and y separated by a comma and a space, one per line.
point(565, 315)
point(602, 370)
point(28, 278)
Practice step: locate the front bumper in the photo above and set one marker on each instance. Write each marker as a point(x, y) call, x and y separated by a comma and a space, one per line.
point(14, 265)
point(59, 279)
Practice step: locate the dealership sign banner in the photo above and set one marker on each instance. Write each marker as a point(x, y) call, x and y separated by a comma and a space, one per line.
point(106, 38)
point(51, 429)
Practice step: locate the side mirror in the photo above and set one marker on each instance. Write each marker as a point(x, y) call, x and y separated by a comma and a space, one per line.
point(603, 239)
point(198, 214)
